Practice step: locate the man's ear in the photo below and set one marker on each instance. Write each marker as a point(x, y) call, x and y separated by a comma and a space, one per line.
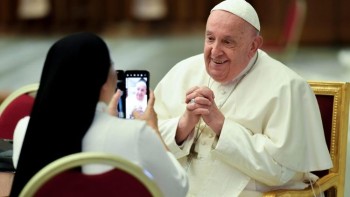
point(259, 39)
point(256, 44)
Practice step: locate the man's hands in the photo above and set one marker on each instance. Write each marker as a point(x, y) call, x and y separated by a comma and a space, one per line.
point(200, 103)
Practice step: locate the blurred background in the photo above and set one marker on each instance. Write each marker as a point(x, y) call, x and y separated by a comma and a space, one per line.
point(310, 36)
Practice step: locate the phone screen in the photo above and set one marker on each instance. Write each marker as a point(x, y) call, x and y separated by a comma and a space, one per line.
point(137, 91)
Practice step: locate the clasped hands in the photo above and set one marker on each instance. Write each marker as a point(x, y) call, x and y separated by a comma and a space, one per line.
point(200, 103)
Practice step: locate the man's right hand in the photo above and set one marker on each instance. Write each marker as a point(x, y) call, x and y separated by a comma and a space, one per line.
point(198, 100)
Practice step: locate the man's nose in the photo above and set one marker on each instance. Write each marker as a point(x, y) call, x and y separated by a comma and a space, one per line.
point(216, 49)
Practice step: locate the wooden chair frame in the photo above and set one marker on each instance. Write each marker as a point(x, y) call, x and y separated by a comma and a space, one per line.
point(83, 158)
point(335, 178)
point(15, 106)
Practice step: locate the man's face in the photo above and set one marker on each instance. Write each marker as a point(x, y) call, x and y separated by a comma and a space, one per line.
point(228, 45)
point(141, 90)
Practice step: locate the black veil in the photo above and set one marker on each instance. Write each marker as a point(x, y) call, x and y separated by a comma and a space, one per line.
point(74, 71)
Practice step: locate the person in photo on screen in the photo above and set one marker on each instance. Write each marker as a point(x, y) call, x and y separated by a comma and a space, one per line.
point(136, 99)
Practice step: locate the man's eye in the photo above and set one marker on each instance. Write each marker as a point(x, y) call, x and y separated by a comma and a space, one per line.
point(210, 38)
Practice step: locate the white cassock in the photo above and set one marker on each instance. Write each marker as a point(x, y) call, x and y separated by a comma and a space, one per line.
point(132, 104)
point(272, 136)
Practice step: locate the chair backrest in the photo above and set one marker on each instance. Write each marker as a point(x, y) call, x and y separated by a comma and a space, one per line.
point(333, 99)
point(63, 177)
point(17, 105)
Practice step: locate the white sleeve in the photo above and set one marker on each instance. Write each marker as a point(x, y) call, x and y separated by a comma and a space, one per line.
point(247, 153)
point(18, 137)
point(167, 172)
point(275, 150)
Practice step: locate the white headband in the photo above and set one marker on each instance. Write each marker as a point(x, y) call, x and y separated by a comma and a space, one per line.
point(242, 9)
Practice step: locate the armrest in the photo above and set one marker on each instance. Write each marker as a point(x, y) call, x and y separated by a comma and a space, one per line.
point(321, 185)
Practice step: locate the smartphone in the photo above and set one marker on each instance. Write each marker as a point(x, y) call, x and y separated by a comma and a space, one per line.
point(137, 91)
point(121, 85)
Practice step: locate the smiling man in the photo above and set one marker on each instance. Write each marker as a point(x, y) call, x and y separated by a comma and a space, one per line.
point(240, 122)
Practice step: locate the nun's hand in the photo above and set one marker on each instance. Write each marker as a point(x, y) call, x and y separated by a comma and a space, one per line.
point(113, 104)
point(150, 116)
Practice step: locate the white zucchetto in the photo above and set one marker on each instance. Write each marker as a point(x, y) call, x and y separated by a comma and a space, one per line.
point(242, 9)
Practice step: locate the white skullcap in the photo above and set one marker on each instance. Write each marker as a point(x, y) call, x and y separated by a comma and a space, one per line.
point(242, 9)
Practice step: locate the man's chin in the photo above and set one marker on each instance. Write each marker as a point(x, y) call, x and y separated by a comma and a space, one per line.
point(217, 78)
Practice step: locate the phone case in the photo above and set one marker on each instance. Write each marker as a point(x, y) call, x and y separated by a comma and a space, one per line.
point(135, 87)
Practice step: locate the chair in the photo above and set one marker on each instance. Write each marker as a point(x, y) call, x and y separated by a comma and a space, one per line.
point(285, 47)
point(333, 100)
point(61, 178)
point(16, 105)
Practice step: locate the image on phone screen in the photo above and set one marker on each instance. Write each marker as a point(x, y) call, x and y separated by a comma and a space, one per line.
point(136, 85)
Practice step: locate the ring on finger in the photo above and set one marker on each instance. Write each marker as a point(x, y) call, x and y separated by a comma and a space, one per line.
point(193, 100)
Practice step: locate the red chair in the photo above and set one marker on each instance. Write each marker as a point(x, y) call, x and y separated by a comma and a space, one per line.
point(62, 178)
point(285, 47)
point(16, 106)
